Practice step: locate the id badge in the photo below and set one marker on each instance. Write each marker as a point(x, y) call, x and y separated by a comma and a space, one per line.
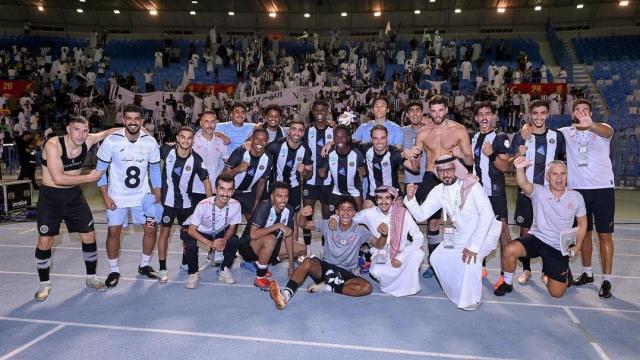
point(447, 237)
point(383, 255)
point(583, 158)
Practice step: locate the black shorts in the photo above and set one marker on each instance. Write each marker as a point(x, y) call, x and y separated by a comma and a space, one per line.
point(295, 197)
point(601, 207)
point(169, 214)
point(247, 253)
point(334, 276)
point(58, 204)
point(554, 264)
point(524, 211)
point(499, 205)
point(429, 181)
point(317, 192)
point(246, 200)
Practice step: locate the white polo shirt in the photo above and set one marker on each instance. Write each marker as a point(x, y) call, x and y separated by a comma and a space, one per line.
point(598, 173)
point(214, 153)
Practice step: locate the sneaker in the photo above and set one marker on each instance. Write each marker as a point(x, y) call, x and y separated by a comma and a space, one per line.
point(485, 273)
point(524, 277)
point(43, 292)
point(317, 288)
point(225, 277)
point(163, 276)
point(502, 289)
point(192, 281)
point(148, 272)
point(428, 273)
point(94, 283)
point(184, 267)
point(112, 279)
point(605, 289)
point(277, 296)
point(499, 282)
point(262, 283)
point(583, 279)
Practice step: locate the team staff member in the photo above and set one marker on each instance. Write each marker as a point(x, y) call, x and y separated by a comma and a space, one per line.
point(210, 145)
point(181, 167)
point(61, 199)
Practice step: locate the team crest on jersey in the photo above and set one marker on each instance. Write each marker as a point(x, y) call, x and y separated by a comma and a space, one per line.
point(552, 141)
point(352, 164)
point(305, 192)
point(571, 205)
point(299, 159)
point(44, 229)
point(166, 219)
point(329, 137)
point(261, 167)
point(385, 164)
point(188, 168)
point(519, 219)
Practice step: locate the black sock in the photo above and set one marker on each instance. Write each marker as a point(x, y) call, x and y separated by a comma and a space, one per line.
point(484, 262)
point(261, 272)
point(184, 257)
point(306, 234)
point(90, 255)
point(322, 240)
point(163, 264)
point(293, 286)
point(43, 264)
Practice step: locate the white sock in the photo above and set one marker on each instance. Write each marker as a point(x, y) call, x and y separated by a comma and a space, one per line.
point(113, 264)
point(145, 260)
point(508, 277)
point(588, 270)
point(606, 277)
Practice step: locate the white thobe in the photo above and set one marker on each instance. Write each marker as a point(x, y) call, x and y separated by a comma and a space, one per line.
point(404, 280)
point(476, 229)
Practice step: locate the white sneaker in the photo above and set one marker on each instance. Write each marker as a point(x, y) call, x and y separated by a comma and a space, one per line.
point(225, 277)
point(94, 283)
point(192, 281)
point(43, 292)
point(163, 276)
point(524, 277)
point(317, 288)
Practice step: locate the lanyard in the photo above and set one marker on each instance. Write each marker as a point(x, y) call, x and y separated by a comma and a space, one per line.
point(213, 217)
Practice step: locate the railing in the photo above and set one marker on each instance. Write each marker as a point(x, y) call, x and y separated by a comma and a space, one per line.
point(559, 52)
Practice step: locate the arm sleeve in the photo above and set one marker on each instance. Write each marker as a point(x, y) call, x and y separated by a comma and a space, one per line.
point(486, 218)
point(515, 144)
point(201, 168)
point(428, 207)
point(154, 173)
point(196, 217)
point(501, 145)
point(581, 209)
point(235, 158)
point(267, 172)
point(259, 216)
point(102, 166)
point(306, 160)
point(561, 149)
point(236, 214)
point(104, 151)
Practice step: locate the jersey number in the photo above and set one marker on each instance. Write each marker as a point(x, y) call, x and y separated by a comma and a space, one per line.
point(133, 177)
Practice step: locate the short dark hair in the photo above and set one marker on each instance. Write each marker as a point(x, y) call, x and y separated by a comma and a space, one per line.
point(240, 105)
point(133, 108)
point(341, 127)
point(439, 99)
point(185, 128)
point(273, 107)
point(379, 127)
point(381, 98)
point(413, 103)
point(538, 103)
point(208, 112)
point(320, 102)
point(278, 185)
point(258, 129)
point(347, 200)
point(225, 178)
point(297, 121)
point(483, 104)
point(581, 101)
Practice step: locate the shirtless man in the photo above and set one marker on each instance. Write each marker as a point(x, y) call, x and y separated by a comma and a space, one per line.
point(440, 136)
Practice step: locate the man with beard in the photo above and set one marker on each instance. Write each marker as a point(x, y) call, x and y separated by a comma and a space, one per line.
point(250, 169)
point(291, 161)
point(440, 136)
point(471, 230)
point(491, 160)
point(317, 188)
point(131, 157)
point(542, 145)
point(272, 118)
point(237, 130)
point(61, 199)
point(181, 167)
point(555, 208)
point(336, 271)
point(212, 149)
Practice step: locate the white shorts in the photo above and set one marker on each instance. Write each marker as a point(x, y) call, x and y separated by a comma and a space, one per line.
point(119, 216)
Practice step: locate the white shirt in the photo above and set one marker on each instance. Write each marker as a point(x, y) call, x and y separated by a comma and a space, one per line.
point(214, 153)
point(598, 172)
point(202, 216)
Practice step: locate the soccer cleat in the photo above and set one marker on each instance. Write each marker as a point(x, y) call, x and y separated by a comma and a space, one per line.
point(262, 283)
point(583, 279)
point(317, 288)
point(148, 272)
point(524, 277)
point(499, 282)
point(192, 281)
point(163, 276)
point(112, 279)
point(94, 283)
point(43, 292)
point(502, 289)
point(605, 290)
point(225, 277)
point(485, 273)
point(277, 296)
point(428, 273)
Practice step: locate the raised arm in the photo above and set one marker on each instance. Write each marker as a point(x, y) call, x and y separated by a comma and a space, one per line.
point(521, 163)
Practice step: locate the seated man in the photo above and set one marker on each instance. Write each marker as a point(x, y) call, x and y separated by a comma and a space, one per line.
point(554, 209)
point(214, 222)
point(336, 271)
point(396, 261)
point(475, 230)
point(271, 222)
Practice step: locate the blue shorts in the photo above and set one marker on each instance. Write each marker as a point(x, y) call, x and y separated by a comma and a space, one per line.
point(119, 216)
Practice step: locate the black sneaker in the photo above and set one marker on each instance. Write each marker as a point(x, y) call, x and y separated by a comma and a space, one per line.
point(583, 279)
point(503, 289)
point(148, 272)
point(605, 290)
point(112, 280)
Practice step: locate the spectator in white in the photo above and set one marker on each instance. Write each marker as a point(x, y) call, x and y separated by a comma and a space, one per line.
point(91, 78)
point(97, 55)
point(562, 76)
point(543, 71)
point(555, 207)
point(158, 57)
point(466, 68)
point(191, 73)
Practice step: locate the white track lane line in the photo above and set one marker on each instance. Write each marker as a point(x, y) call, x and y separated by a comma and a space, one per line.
point(32, 342)
point(586, 334)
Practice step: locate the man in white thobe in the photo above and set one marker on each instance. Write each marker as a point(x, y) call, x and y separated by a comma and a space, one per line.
point(458, 261)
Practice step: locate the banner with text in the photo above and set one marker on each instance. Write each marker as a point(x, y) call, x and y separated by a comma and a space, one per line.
point(14, 87)
point(542, 89)
point(228, 89)
point(285, 97)
point(149, 99)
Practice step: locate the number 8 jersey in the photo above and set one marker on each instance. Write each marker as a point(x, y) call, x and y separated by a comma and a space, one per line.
point(128, 166)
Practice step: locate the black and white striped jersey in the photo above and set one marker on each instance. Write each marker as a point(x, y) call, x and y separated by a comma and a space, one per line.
point(382, 169)
point(542, 149)
point(259, 167)
point(316, 139)
point(491, 178)
point(178, 176)
point(343, 171)
point(266, 215)
point(286, 160)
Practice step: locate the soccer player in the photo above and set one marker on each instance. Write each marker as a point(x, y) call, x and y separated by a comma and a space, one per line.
point(214, 223)
point(336, 271)
point(181, 167)
point(273, 116)
point(250, 168)
point(132, 158)
point(271, 223)
point(61, 199)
